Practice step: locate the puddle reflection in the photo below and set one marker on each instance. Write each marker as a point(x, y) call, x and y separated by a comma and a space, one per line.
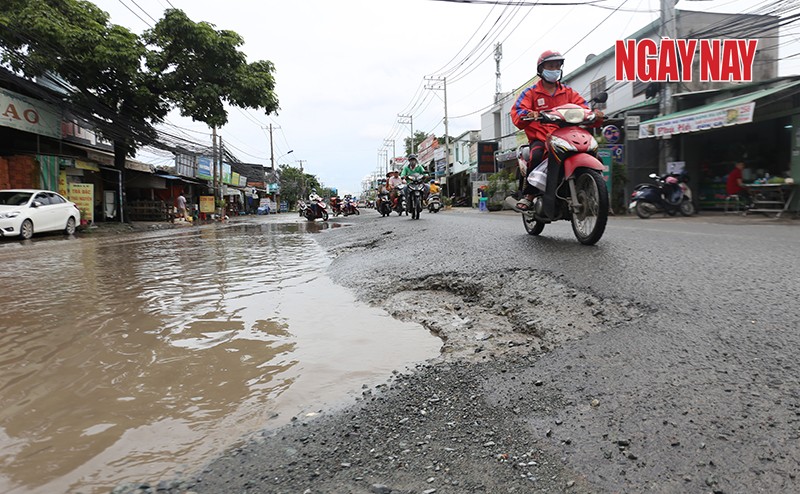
point(132, 357)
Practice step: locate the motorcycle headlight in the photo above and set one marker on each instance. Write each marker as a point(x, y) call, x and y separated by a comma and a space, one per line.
point(573, 115)
point(563, 145)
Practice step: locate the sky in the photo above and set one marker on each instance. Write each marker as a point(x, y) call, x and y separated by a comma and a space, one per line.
point(345, 69)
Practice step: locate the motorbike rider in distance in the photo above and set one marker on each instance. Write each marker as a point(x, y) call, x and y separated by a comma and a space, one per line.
point(391, 184)
point(313, 197)
point(434, 187)
point(545, 94)
point(411, 168)
point(382, 188)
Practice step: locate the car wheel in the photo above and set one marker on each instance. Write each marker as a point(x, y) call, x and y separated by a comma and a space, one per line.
point(26, 230)
point(70, 229)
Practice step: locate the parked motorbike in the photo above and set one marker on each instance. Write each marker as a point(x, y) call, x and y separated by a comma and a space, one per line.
point(400, 205)
point(317, 209)
point(385, 207)
point(669, 194)
point(301, 208)
point(459, 201)
point(350, 207)
point(434, 203)
point(416, 191)
point(574, 189)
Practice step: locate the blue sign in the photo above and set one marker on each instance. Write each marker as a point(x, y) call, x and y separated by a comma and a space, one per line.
point(204, 168)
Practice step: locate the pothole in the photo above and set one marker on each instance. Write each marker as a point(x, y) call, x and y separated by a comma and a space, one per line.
point(509, 313)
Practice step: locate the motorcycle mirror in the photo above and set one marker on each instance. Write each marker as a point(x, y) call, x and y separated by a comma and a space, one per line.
point(653, 175)
point(601, 98)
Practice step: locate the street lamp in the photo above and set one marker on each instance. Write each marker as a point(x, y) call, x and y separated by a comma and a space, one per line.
point(285, 154)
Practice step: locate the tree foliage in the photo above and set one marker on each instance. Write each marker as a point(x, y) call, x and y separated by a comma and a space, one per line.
point(419, 136)
point(125, 84)
point(296, 184)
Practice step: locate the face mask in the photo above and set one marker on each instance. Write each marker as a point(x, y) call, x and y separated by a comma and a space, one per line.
point(551, 75)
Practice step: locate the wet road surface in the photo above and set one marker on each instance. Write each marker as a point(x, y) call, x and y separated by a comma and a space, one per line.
point(142, 355)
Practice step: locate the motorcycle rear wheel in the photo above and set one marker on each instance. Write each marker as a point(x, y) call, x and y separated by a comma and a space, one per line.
point(589, 222)
point(532, 226)
point(643, 210)
point(687, 208)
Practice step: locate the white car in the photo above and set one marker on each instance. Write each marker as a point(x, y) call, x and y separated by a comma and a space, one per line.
point(24, 212)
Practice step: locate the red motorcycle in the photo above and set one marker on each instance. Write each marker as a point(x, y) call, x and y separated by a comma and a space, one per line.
point(316, 209)
point(336, 205)
point(571, 176)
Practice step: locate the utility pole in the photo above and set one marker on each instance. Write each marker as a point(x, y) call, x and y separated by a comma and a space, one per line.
point(443, 87)
point(303, 180)
point(394, 151)
point(214, 164)
point(409, 119)
point(498, 55)
point(668, 30)
point(271, 146)
point(221, 177)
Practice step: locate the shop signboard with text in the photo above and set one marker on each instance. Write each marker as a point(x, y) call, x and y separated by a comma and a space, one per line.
point(83, 197)
point(29, 115)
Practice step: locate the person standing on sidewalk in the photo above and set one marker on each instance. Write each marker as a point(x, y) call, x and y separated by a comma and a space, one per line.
point(182, 207)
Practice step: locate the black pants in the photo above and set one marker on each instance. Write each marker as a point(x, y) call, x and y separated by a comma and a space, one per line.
point(536, 157)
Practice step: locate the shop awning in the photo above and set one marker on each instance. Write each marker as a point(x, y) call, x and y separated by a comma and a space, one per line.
point(731, 111)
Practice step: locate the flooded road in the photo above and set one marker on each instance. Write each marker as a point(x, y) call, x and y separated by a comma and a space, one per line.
point(142, 355)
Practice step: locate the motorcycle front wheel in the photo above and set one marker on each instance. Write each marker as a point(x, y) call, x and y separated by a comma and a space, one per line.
point(324, 216)
point(589, 221)
point(416, 208)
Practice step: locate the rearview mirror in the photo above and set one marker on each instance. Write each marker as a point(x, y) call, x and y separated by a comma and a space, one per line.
point(601, 98)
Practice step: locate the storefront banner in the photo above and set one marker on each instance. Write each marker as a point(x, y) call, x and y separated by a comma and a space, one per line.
point(62, 183)
point(206, 204)
point(29, 115)
point(83, 165)
point(235, 179)
point(735, 115)
point(204, 168)
point(83, 196)
point(226, 173)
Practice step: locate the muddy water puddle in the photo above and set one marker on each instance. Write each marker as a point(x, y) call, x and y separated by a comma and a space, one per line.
point(139, 356)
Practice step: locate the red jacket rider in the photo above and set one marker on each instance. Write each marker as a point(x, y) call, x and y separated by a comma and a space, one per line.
point(546, 94)
point(536, 98)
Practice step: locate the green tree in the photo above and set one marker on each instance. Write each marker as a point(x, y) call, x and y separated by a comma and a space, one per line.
point(296, 184)
point(419, 136)
point(125, 84)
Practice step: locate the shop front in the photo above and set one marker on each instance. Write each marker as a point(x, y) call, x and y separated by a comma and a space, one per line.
point(759, 125)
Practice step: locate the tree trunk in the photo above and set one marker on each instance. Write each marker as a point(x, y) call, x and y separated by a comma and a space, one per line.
point(120, 156)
